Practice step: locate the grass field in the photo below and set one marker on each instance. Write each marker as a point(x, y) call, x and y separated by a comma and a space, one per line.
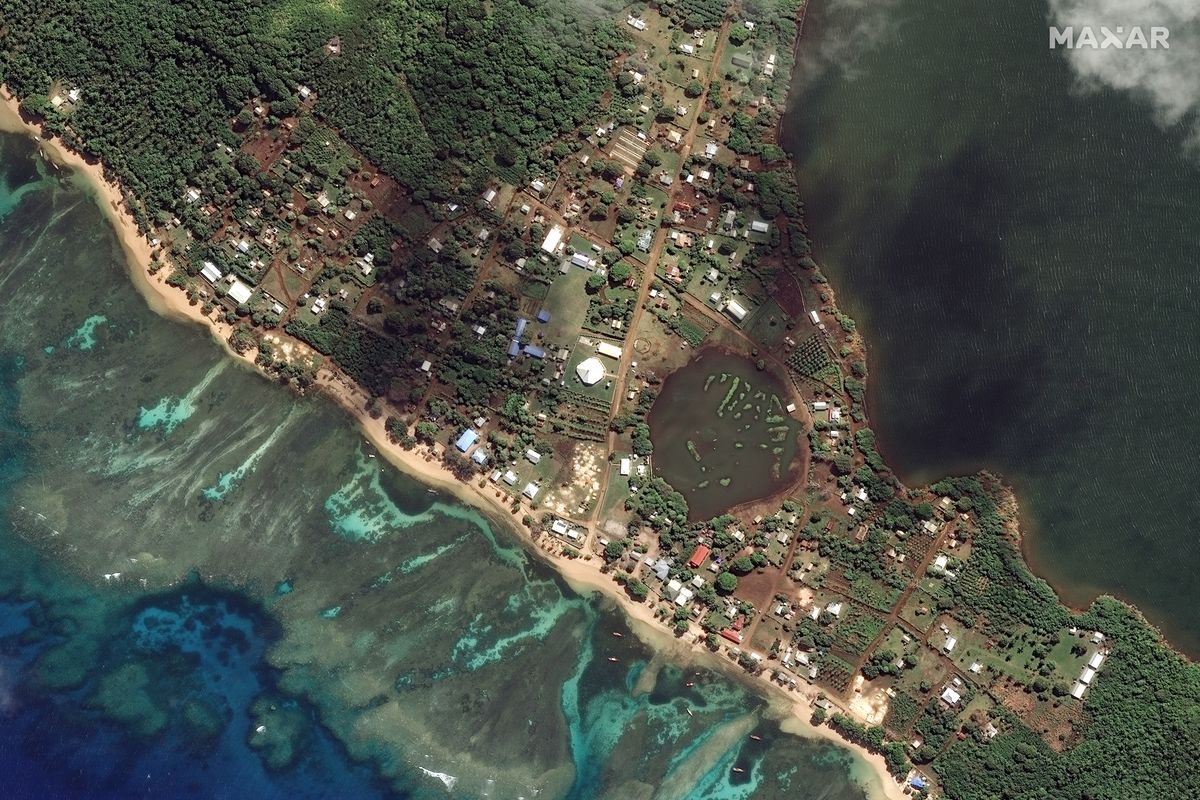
point(768, 324)
point(567, 301)
point(602, 390)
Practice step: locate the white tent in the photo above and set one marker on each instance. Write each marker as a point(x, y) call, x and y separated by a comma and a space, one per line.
point(590, 371)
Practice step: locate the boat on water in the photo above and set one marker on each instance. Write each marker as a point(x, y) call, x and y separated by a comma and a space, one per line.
point(756, 737)
point(613, 659)
point(618, 634)
point(738, 769)
point(690, 714)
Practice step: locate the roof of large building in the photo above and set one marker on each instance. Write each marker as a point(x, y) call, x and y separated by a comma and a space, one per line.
point(610, 350)
point(550, 243)
point(240, 292)
point(590, 371)
point(467, 439)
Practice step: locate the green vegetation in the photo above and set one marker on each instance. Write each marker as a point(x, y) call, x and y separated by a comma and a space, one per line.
point(872, 738)
point(407, 87)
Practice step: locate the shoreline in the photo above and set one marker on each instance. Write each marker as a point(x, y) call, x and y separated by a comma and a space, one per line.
point(1069, 594)
point(581, 574)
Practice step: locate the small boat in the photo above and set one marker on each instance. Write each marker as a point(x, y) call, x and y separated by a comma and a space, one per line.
point(690, 714)
point(756, 737)
point(689, 685)
point(738, 769)
point(617, 634)
point(612, 659)
point(370, 455)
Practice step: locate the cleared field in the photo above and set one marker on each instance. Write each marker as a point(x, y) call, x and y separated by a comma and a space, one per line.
point(628, 149)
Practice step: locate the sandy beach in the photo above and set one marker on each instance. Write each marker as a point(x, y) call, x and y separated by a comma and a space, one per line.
point(583, 574)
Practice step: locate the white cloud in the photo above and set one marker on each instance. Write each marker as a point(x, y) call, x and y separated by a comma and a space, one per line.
point(1167, 79)
point(849, 29)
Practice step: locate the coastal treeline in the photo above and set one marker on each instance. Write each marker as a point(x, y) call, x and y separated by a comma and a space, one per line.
point(1142, 738)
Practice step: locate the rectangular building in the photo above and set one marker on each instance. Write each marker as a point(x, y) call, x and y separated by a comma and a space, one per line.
point(609, 350)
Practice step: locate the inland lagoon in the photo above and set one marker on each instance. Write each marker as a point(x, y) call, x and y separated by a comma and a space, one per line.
point(210, 587)
point(722, 435)
point(1018, 240)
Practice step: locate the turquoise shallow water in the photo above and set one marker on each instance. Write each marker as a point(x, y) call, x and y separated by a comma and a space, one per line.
point(1020, 252)
point(211, 589)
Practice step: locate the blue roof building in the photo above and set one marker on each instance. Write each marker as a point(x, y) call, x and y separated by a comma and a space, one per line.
point(918, 783)
point(514, 347)
point(543, 316)
point(521, 323)
point(534, 351)
point(468, 438)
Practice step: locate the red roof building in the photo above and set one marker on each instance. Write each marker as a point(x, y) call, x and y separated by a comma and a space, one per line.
point(732, 636)
point(698, 556)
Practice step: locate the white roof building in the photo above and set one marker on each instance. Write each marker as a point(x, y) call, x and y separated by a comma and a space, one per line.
point(610, 350)
point(530, 490)
point(550, 243)
point(734, 309)
point(1088, 674)
point(1096, 661)
point(510, 478)
point(211, 273)
point(240, 292)
point(1077, 690)
point(949, 645)
point(590, 371)
point(950, 696)
point(684, 597)
point(626, 466)
point(533, 456)
point(758, 226)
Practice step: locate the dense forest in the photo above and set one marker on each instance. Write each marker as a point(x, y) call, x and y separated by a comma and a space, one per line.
point(1142, 738)
point(438, 94)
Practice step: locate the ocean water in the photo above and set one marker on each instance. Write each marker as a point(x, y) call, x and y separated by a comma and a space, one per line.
point(1020, 248)
point(211, 588)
